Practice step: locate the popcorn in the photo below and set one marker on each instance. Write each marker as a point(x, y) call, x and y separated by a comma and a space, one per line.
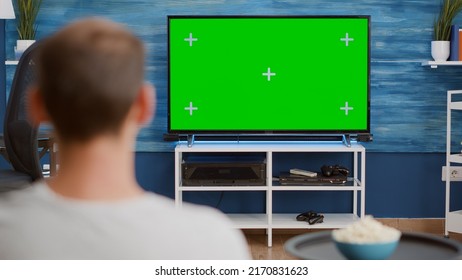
point(367, 230)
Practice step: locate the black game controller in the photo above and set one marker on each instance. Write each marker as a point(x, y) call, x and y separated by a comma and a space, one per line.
point(310, 217)
point(332, 170)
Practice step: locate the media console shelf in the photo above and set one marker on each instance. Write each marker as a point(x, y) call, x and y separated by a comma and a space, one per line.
point(270, 220)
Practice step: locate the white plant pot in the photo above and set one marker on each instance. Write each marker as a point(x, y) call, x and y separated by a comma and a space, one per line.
point(21, 46)
point(440, 50)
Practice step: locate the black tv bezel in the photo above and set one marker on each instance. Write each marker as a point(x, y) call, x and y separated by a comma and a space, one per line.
point(263, 134)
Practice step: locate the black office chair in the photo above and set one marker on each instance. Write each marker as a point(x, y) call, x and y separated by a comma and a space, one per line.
point(19, 136)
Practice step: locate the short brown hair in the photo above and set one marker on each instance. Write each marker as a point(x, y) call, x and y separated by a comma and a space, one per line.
point(89, 74)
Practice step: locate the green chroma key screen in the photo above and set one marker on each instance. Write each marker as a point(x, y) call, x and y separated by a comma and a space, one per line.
point(260, 74)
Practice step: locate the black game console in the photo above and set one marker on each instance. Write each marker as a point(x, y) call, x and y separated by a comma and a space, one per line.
point(288, 179)
point(224, 173)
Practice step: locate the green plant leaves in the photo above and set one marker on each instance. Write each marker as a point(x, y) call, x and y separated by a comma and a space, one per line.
point(27, 11)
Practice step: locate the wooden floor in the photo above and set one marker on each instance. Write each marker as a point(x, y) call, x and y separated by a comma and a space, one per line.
point(260, 250)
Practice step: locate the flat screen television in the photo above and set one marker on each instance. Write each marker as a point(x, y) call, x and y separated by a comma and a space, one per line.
point(268, 75)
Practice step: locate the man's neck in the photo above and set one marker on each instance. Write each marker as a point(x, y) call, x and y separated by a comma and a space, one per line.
point(102, 170)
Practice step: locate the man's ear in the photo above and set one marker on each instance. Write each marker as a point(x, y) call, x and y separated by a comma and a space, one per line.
point(146, 104)
point(36, 108)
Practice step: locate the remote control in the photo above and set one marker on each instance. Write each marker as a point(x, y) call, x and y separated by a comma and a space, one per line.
point(303, 172)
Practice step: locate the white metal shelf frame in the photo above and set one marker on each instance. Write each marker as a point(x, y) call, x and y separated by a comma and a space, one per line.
point(453, 219)
point(270, 220)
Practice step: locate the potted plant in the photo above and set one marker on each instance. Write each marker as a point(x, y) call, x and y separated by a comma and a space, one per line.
point(27, 11)
point(442, 29)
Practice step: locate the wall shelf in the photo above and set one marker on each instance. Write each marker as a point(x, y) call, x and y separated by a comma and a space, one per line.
point(435, 64)
point(11, 62)
point(270, 220)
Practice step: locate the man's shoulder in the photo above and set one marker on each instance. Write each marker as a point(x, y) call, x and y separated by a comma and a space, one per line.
point(206, 232)
point(188, 212)
point(150, 226)
point(16, 196)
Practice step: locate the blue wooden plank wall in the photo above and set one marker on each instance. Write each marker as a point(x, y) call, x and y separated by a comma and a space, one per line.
point(408, 101)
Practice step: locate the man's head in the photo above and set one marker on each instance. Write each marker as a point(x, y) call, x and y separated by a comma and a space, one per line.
point(90, 74)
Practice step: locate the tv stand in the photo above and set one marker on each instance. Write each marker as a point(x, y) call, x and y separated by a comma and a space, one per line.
point(269, 220)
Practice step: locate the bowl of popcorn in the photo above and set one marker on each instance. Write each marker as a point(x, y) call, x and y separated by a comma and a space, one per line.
point(366, 239)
